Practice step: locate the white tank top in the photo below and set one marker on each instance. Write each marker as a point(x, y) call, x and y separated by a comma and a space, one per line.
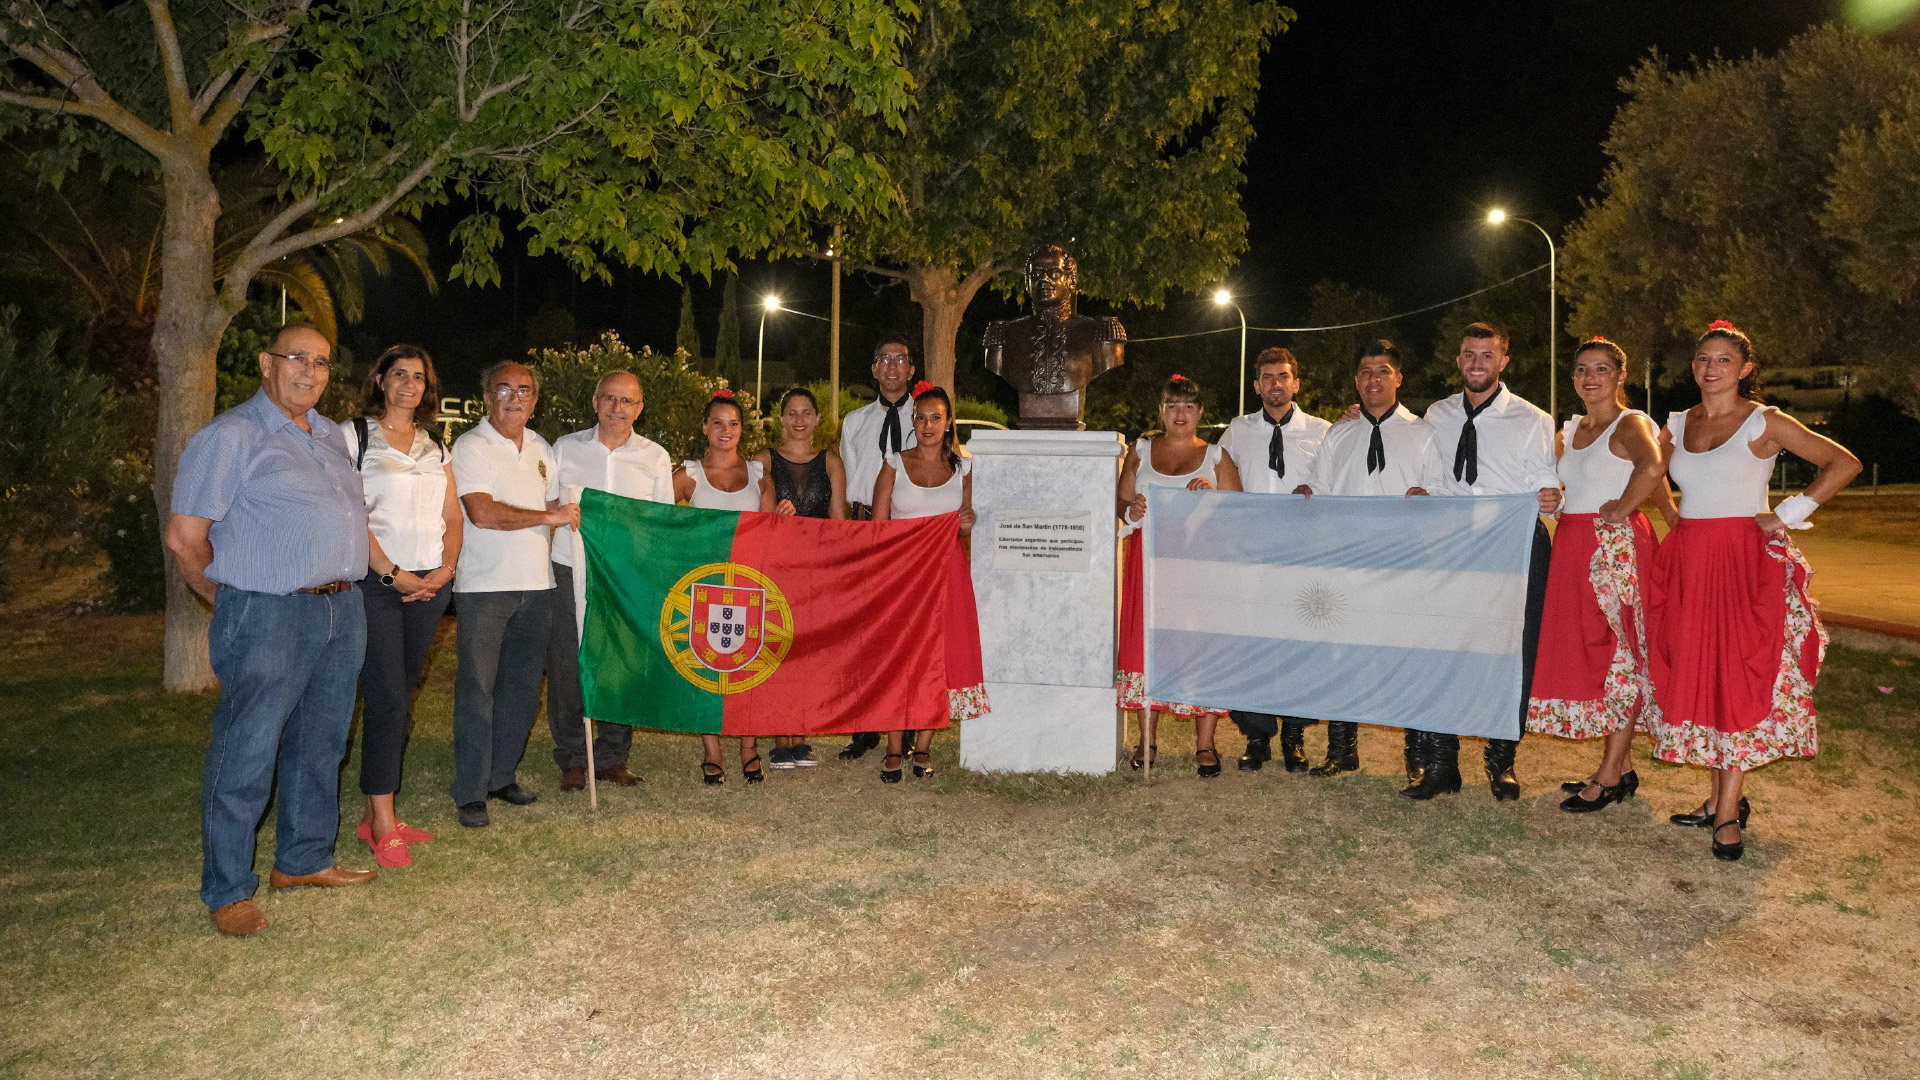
point(1147, 475)
point(910, 500)
point(1593, 475)
point(1726, 481)
point(708, 497)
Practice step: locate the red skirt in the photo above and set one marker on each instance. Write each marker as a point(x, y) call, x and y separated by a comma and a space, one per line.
point(1132, 664)
point(1591, 676)
point(966, 680)
point(1736, 646)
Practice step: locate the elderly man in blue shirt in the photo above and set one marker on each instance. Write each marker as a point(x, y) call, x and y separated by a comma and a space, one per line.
point(270, 527)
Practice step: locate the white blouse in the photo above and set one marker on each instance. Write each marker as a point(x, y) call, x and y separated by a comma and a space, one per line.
point(1726, 481)
point(1593, 475)
point(910, 500)
point(708, 497)
point(406, 495)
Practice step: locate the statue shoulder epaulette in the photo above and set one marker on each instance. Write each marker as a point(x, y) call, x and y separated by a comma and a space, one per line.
point(996, 334)
point(1111, 330)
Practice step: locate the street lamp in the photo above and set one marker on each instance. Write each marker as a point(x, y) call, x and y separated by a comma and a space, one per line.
point(1223, 298)
point(1497, 216)
point(767, 307)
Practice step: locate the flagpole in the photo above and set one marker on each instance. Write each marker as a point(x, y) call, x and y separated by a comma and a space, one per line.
point(593, 787)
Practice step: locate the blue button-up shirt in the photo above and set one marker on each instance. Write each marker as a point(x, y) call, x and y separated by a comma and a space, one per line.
point(286, 504)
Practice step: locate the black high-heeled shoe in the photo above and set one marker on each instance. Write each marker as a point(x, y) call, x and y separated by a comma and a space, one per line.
point(1730, 852)
point(1629, 783)
point(1142, 755)
point(1580, 804)
point(890, 776)
point(1207, 770)
point(755, 774)
point(922, 763)
point(713, 772)
point(1703, 817)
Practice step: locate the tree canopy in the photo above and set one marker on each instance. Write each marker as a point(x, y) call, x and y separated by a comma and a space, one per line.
point(1775, 191)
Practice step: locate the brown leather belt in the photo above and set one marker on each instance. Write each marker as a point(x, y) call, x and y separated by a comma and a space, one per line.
point(331, 587)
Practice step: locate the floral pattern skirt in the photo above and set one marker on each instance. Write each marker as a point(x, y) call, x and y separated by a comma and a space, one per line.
point(966, 680)
point(1592, 677)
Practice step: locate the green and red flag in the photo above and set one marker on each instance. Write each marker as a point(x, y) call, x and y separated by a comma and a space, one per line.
point(727, 623)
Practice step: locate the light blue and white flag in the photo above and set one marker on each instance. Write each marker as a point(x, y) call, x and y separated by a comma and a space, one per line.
point(1382, 610)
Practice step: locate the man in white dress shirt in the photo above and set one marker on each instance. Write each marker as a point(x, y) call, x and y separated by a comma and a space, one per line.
point(1489, 441)
point(1273, 448)
point(1388, 451)
point(609, 456)
point(867, 436)
point(509, 488)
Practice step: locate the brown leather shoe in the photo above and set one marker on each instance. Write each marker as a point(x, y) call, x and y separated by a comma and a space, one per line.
point(574, 779)
point(333, 877)
point(242, 918)
point(619, 774)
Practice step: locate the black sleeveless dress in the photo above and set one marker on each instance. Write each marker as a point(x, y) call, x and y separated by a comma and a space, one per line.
point(804, 483)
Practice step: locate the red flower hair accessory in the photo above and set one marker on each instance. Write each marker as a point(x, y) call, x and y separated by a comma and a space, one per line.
point(921, 387)
point(1719, 324)
point(723, 394)
point(1598, 340)
point(1177, 377)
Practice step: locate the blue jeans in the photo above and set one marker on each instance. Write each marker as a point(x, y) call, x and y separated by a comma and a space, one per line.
point(288, 668)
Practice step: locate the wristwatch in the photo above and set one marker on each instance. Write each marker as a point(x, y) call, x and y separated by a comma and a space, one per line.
point(387, 578)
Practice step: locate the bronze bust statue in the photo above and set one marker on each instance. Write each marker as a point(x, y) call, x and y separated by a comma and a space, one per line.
point(1051, 355)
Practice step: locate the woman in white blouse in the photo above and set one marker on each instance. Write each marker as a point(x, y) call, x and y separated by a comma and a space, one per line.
point(413, 545)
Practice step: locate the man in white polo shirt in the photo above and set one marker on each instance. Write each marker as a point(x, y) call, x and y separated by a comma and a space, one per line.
point(1273, 447)
point(509, 487)
point(608, 456)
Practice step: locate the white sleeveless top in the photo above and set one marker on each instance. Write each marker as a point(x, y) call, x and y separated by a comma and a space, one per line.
point(1726, 481)
point(1594, 475)
point(910, 500)
point(708, 497)
point(1147, 474)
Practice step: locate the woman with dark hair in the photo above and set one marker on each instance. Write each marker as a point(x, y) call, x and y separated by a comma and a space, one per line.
point(930, 478)
point(1591, 678)
point(723, 480)
point(414, 532)
point(1737, 642)
point(1177, 457)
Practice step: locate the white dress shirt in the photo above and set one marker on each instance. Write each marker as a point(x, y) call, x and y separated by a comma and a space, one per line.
point(640, 469)
point(1514, 442)
point(1341, 467)
point(1248, 438)
point(860, 446)
point(406, 494)
point(486, 462)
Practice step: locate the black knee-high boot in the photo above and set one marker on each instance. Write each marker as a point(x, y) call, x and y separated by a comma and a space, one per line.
point(1500, 778)
point(1343, 749)
point(1292, 733)
point(1416, 755)
point(1442, 767)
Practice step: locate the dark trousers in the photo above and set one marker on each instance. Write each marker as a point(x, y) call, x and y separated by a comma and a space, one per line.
point(566, 712)
point(1259, 725)
point(286, 666)
point(502, 651)
point(398, 638)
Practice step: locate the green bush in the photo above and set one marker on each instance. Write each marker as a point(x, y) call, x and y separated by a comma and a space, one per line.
point(676, 394)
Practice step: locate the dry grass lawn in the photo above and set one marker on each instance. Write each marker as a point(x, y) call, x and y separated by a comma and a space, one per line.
point(821, 925)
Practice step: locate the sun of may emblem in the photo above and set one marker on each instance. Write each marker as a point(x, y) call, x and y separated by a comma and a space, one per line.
point(726, 627)
point(1320, 604)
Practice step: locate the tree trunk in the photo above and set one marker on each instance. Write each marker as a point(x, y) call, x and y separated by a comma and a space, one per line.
point(186, 342)
point(943, 297)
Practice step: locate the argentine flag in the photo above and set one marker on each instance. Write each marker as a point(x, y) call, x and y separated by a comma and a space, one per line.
point(1381, 610)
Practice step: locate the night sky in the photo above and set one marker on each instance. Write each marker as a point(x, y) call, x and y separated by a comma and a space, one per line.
point(1385, 130)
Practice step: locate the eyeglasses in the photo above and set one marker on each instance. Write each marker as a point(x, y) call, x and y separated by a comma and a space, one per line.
point(517, 393)
point(622, 402)
point(892, 359)
point(305, 360)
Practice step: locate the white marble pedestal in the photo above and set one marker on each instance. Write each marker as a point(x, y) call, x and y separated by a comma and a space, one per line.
point(1046, 635)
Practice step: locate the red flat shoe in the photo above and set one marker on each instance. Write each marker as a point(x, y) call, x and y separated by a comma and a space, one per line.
point(407, 832)
point(392, 853)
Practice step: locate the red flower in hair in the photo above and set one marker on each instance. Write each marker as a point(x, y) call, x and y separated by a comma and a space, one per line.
point(921, 387)
point(1720, 324)
point(723, 392)
point(1176, 378)
point(1598, 340)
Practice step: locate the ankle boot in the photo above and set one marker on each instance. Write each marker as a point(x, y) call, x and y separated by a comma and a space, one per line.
point(1292, 732)
point(1259, 752)
point(1441, 767)
point(1416, 755)
point(1343, 749)
point(1500, 778)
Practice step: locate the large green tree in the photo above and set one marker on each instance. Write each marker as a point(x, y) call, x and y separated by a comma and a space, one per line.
point(1117, 127)
point(661, 135)
point(1776, 191)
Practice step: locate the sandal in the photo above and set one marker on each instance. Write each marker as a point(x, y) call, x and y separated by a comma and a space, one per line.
point(1204, 769)
point(713, 772)
point(890, 776)
point(1141, 756)
point(755, 774)
point(922, 763)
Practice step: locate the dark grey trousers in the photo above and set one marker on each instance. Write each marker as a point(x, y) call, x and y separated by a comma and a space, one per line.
point(566, 712)
point(502, 651)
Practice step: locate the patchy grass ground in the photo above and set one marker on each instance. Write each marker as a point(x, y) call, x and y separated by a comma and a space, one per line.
point(822, 925)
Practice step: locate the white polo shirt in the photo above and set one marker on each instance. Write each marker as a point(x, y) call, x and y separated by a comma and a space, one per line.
point(1248, 438)
point(486, 462)
point(640, 469)
point(860, 445)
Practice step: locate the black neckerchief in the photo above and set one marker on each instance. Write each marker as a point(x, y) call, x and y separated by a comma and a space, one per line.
point(1276, 450)
point(890, 427)
point(1377, 450)
point(1466, 455)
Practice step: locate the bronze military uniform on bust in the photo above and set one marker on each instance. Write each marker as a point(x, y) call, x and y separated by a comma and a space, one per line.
point(1051, 355)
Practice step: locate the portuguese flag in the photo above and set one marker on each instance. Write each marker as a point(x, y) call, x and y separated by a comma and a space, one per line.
point(726, 623)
